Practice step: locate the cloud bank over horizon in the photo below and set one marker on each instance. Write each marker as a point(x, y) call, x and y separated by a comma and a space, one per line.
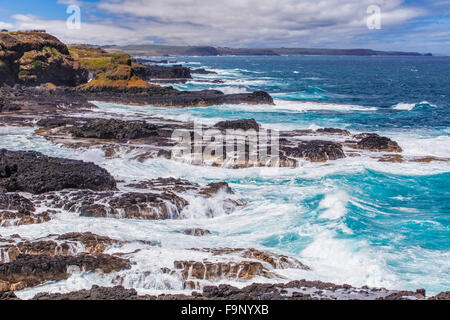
point(405, 25)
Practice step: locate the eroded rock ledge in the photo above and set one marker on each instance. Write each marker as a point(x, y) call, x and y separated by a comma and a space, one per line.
point(32, 270)
point(152, 138)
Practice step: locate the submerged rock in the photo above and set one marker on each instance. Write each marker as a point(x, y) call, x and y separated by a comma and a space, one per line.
point(196, 232)
point(29, 171)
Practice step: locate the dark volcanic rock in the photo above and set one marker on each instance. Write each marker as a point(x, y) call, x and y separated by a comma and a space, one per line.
point(8, 295)
point(215, 187)
point(93, 243)
point(31, 270)
point(132, 205)
point(243, 124)
point(166, 184)
point(95, 293)
point(115, 129)
point(33, 172)
point(146, 206)
point(202, 71)
point(8, 218)
point(334, 131)
point(19, 211)
point(294, 290)
point(55, 122)
point(149, 72)
point(441, 296)
point(15, 202)
point(316, 151)
point(5, 106)
point(374, 142)
point(257, 97)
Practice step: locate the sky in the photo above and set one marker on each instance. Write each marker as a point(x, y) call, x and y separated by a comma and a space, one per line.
point(405, 25)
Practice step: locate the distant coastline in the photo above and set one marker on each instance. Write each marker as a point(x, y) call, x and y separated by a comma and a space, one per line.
point(165, 50)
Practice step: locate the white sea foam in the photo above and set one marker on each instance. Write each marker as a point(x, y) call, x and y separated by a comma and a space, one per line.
point(421, 144)
point(347, 261)
point(404, 106)
point(334, 205)
point(300, 106)
point(411, 106)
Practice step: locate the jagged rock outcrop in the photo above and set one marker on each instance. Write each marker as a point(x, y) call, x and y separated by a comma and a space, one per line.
point(115, 129)
point(34, 58)
point(33, 172)
point(95, 293)
point(151, 72)
point(374, 142)
point(202, 71)
point(18, 210)
point(334, 131)
point(294, 290)
point(157, 203)
point(8, 295)
point(216, 271)
point(9, 218)
point(243, 124)
point(441, 296)
point(69, 244)
point(236, 264)
point(315, 151)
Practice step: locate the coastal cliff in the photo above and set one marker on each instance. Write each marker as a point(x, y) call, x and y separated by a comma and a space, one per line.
point(34, 58)
point(80, 73)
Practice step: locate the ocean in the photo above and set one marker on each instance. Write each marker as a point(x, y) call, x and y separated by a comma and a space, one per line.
point(355, 220)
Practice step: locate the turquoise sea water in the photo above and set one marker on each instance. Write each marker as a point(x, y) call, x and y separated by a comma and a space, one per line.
point(355, 220)
point(400, 215)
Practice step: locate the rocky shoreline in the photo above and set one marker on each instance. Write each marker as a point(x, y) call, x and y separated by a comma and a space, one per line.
point(55, 100)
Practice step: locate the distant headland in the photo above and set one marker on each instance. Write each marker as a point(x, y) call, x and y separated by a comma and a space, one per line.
point(166, 50)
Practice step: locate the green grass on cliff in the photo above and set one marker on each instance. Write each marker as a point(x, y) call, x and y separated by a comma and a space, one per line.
point(110, 69)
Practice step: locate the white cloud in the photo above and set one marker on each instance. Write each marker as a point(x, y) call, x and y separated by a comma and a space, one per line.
point(94, 33)
point(259, 21)
point(227, 23)
point(4, 25)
